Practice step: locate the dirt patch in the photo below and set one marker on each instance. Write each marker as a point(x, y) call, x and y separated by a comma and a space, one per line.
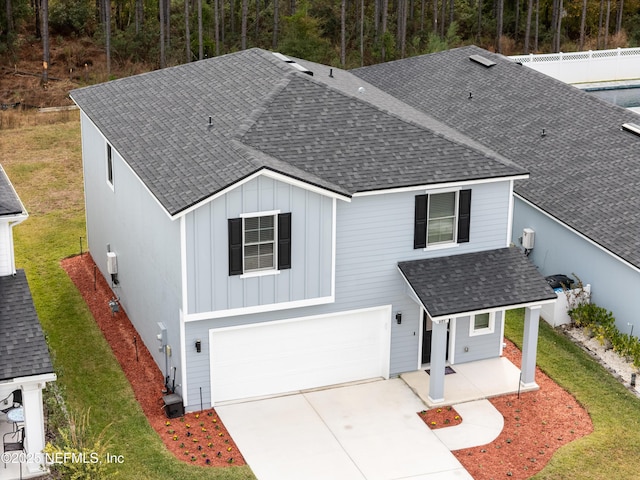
point(199, 438)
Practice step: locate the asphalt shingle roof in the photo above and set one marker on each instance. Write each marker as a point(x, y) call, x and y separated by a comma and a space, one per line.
point(266, 114)
point(470, 282)
point(584, 170)
point(23, 349)
point(10, 203)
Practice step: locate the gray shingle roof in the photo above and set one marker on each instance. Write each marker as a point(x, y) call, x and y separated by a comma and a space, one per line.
point(10, 203)
point(23, 349)
point(470, 282)
point(266, 114)
point(584, 171)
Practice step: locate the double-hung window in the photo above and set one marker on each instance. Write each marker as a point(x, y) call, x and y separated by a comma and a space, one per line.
point(259, 243)
point(442, 218)
point(109, 165)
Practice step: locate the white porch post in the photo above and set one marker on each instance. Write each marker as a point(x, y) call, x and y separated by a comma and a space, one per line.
point(33, 423)
point(438, 360)
point(530, 345)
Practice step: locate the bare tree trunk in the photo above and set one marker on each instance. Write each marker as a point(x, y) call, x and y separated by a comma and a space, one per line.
point(443, 14)
point(479, 34)
point(343, 34)
point(422, 14)
point(385, 7)
point(451, 5)
point(167, 17)
point(535, 46)
point(559, 27)
point(606, 25)
point(44, 29)
point(599, 44)
point(619, 16)
point(216, 22)
point(162, 27)
point(515, 34)
point(187, 32)
point(583, 21)
point(499, 16)
point(37, 10)
point(9, 17)
point(527, 34)
point(243, 28)
point(257, 34)
point(107, 33)
point(362, 33)
point(276, 20)
point(200, 44)
point(376, 20)
point(139, 18)
point(435, 16)
point(402, 27)
point(232, 15)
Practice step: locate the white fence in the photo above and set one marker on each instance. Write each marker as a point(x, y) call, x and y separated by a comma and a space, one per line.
point(591, 66)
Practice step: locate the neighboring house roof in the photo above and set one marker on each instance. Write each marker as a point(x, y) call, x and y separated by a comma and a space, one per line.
point(265, 113)
point(10, 203)
point(470, 282)
point(584, 169)
point(23, 349)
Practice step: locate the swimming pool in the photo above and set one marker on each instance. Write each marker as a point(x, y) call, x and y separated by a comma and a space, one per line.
point(627, 96)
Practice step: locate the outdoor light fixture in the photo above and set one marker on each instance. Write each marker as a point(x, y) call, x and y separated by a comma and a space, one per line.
point(399, 317)
point(198, 346)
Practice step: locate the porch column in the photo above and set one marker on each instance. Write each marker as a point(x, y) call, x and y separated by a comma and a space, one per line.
point(438, 360)
point(530, 345)
point(33, 423)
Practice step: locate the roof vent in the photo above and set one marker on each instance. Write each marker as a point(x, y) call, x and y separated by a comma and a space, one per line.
point(631, 127)
point(280, 56)
point(301, 68)
point(484, 61)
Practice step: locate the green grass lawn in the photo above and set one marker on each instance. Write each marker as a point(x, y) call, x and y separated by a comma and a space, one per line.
point(611, 450)
point(44, 165)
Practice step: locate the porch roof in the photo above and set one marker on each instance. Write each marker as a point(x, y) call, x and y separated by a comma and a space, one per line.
point(472, 282)
point(23, 348)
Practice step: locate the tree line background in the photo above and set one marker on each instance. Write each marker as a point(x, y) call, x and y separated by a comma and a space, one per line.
point(346, 33)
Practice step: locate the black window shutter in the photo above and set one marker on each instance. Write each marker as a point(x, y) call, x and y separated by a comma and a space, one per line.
point(235, 246)
point(464, 215)
point(420, 222)
point(284, 241)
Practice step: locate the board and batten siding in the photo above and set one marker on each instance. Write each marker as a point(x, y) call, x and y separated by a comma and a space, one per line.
point(146, 241)
point(374, 233)
point(209, 285)
point(559, 250)
point(6, 249)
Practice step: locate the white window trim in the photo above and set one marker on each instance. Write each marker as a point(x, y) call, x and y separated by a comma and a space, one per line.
point(265, 271)
point(456, 209)
point(109, 165)
point(473, 332)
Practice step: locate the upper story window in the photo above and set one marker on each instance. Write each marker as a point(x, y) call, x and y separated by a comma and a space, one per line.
point(259, 243)
point(109, 165)
point(482, 324)
point(442, 218)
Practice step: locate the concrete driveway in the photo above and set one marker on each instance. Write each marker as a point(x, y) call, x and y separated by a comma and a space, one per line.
point(364, 431)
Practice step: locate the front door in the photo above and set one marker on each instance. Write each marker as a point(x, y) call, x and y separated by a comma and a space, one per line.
point(427, 330)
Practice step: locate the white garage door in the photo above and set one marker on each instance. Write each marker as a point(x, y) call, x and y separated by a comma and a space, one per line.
point(291, 355)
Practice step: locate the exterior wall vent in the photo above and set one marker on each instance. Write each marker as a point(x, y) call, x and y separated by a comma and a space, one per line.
point(631, 127)
point(484, 61)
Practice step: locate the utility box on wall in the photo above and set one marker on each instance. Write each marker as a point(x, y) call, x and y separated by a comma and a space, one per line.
point(112, 263)
point(528, 237)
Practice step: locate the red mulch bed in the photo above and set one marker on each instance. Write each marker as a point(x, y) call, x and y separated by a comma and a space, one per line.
point(198, 438)
point(536, 423)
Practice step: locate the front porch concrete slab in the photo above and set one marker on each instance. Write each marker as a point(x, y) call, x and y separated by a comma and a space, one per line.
point(472, 381)
point(481, 424)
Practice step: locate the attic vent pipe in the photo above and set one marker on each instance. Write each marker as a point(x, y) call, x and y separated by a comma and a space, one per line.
point(331, 72)
point(484, 61)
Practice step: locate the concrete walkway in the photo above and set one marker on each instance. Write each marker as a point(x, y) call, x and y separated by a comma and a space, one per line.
point(364, 431)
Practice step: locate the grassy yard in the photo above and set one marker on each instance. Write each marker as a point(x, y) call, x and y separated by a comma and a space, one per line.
point(44, 164)
point(611, 450)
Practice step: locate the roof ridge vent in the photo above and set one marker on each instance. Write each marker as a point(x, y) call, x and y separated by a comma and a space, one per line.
point(631, 127)
point(484, 61)
point(293, 63)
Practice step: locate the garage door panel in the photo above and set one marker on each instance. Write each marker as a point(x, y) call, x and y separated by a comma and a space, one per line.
point(279, 357)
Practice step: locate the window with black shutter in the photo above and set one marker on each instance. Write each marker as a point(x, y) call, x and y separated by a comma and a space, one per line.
point(442, 218)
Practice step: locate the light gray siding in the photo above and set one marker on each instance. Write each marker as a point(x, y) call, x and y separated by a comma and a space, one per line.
point(145, 240)
point(374, 233)
point(478, 347)
point(557, 249)
point(209, 285)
